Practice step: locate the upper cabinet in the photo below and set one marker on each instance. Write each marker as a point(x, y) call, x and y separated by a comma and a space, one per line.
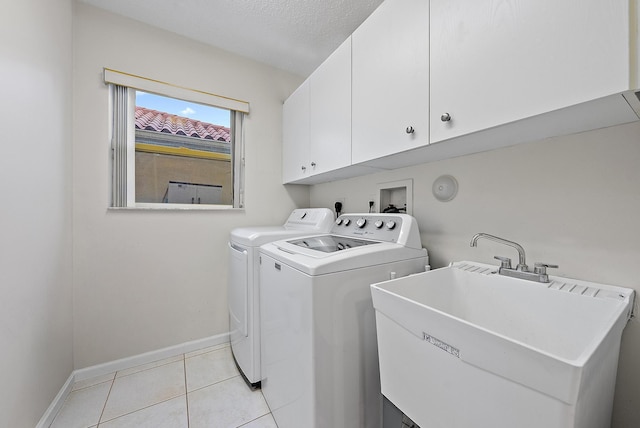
point(317, 120)
point(497, 62)
point(469, 75)
point(295, 135)
point(330, 112)
point(390, 83)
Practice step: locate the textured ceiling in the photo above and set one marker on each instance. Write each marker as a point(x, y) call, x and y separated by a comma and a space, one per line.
point(294, 35)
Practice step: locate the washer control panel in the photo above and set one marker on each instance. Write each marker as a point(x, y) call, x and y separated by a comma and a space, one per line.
point(379, 227)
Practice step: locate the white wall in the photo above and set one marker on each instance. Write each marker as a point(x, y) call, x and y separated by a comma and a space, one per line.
point(35, 184)
point(145, 280)
point(573, 201)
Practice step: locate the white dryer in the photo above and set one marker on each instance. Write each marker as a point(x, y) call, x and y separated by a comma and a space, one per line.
point(319, 346)
point(244, 284)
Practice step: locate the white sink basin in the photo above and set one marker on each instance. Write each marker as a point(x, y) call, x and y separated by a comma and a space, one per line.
point(465, 347)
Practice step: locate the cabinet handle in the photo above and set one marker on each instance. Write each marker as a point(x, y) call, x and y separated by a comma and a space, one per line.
point(410, 130)
point(445, 117)
point(313, 164)
point(304, 168)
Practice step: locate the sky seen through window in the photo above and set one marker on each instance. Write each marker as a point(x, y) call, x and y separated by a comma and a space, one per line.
point(191, 110)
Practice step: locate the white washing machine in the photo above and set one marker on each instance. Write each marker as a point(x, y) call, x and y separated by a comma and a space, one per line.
point(319, 346)
point(244, 284)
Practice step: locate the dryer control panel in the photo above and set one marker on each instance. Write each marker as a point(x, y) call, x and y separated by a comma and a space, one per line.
point(310, 218)
point(397, 228)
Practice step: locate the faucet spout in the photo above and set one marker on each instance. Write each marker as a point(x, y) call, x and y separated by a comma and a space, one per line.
point(522, 264)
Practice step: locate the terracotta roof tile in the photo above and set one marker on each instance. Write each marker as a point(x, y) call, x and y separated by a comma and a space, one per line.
point(153, 120)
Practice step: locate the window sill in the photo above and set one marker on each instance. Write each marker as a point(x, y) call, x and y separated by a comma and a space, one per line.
point(176, 207)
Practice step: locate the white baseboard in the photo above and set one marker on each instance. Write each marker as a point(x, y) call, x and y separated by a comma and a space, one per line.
point(56, 404)
point(149, 357)
point(122, 364)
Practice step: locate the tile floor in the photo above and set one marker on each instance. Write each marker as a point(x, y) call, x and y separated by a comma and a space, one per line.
point(198, 389)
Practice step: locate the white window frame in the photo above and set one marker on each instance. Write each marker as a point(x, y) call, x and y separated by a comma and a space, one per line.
point(123, 137)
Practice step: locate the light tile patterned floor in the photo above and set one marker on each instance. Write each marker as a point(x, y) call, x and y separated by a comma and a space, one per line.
point(195, 390)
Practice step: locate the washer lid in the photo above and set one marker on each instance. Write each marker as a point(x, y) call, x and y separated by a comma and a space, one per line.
point(256, 236)
point(314, 262)
point(330, 243)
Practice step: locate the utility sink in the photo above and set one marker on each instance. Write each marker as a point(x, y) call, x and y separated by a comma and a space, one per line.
point(465, 347)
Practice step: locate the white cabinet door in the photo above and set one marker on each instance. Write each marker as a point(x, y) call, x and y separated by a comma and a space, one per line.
point(295, 135)
point(330, 112)
point(495, 62)
point(391, 80)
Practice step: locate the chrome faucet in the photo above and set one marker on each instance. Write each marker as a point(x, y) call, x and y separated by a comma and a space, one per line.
point(522, 264)
point(521, 271)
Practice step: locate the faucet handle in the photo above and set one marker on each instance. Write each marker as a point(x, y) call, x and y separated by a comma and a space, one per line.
point(505, 262)
point(541, 268)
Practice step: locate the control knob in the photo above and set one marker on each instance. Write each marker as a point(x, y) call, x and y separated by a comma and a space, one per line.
point(378, 224)
point(347, 222)
point(391, 224)
point(338, 221)
point(361, 222)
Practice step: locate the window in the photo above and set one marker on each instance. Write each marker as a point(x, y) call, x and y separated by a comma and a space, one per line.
point(174, 147)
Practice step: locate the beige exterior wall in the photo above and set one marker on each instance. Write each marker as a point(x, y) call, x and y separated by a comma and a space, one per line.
point(155, 170)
